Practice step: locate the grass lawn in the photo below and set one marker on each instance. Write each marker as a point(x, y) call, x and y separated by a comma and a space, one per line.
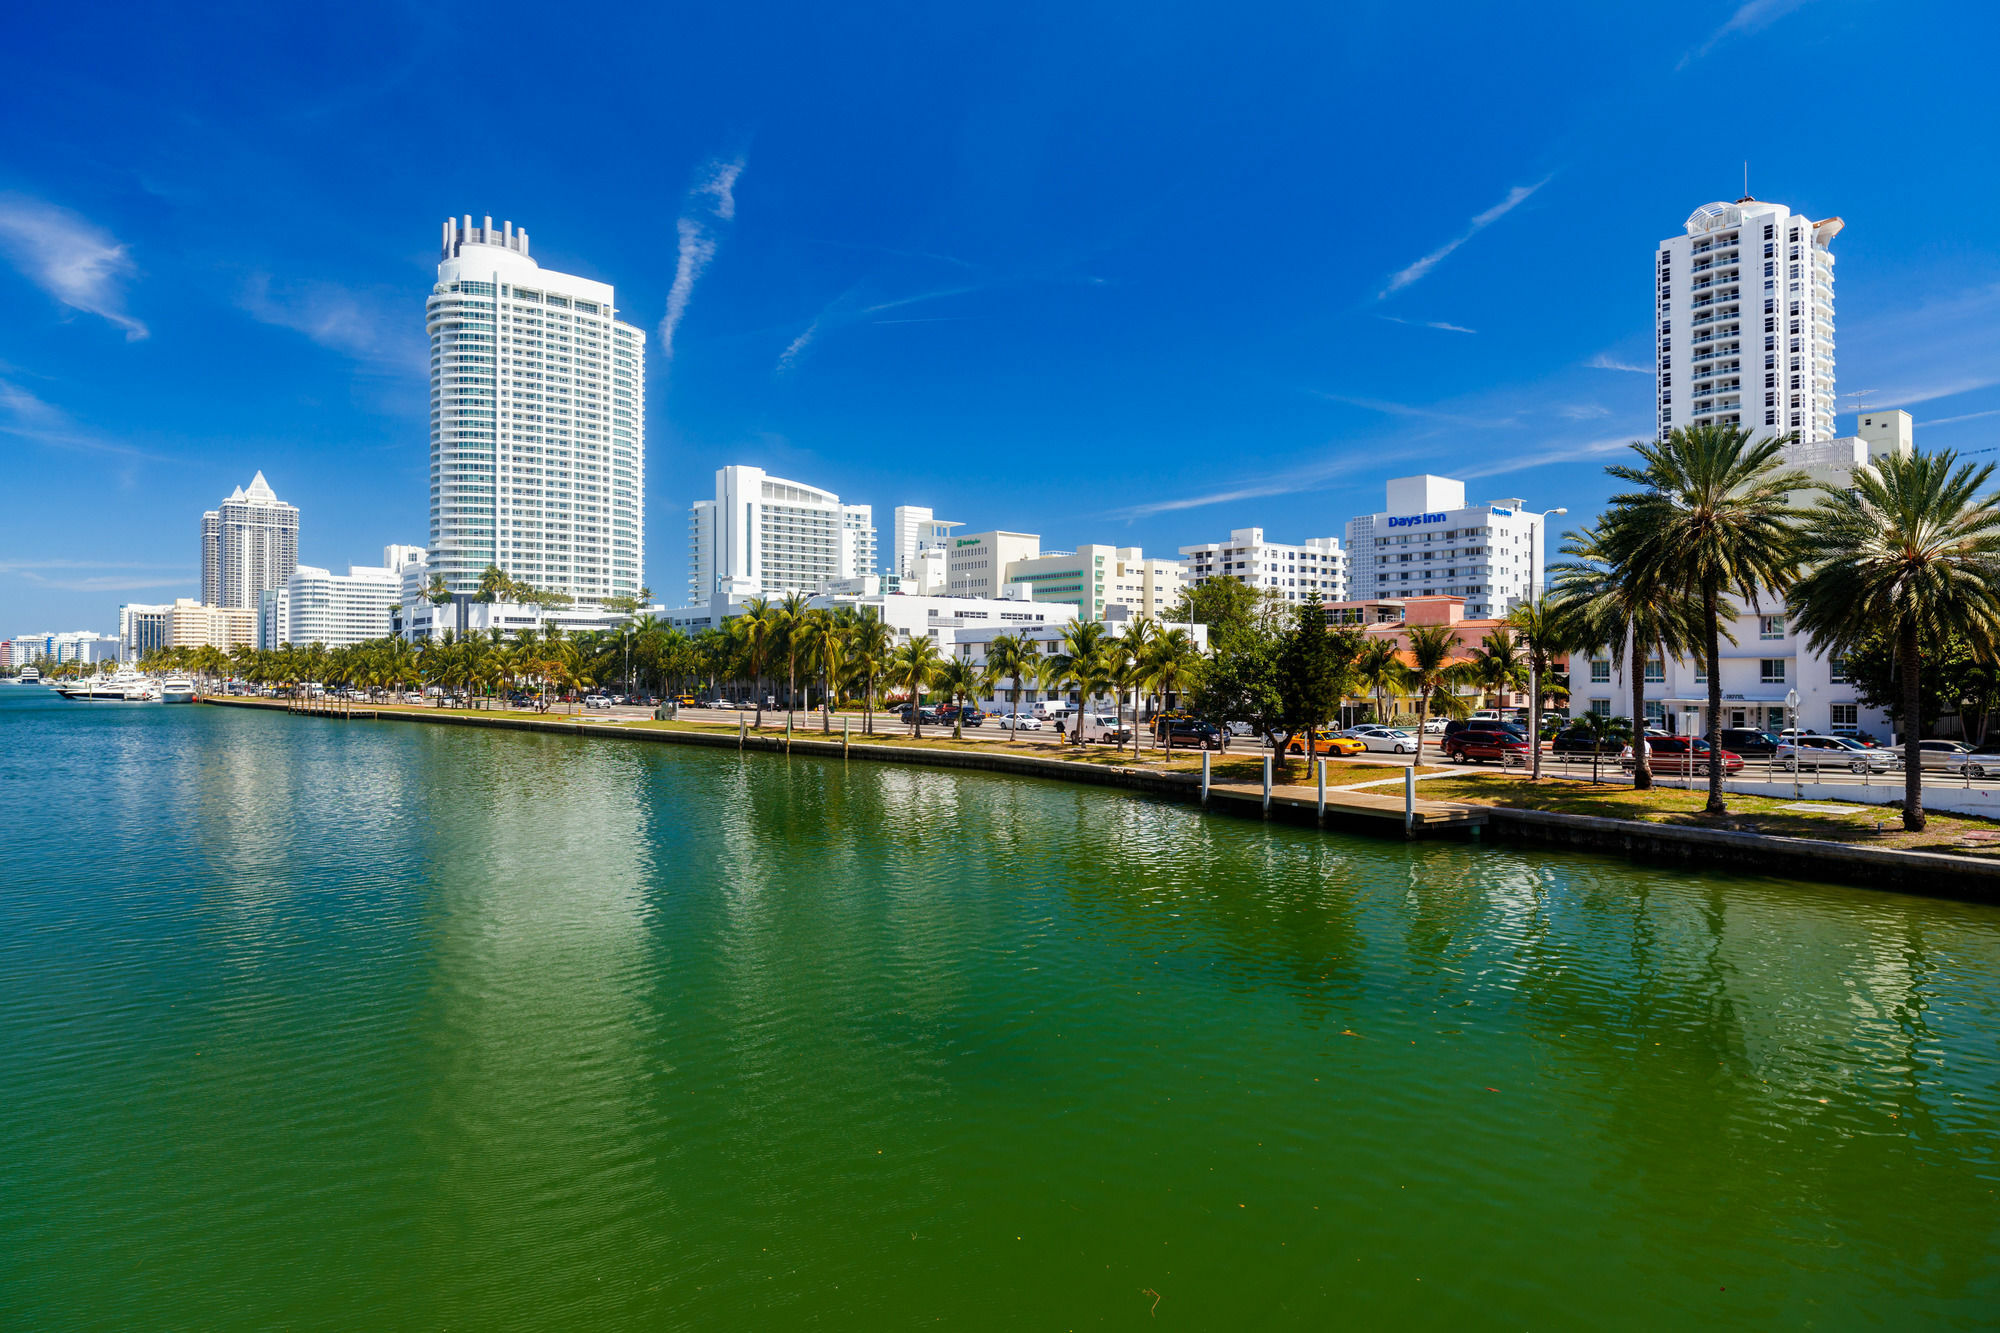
point(1865, 825)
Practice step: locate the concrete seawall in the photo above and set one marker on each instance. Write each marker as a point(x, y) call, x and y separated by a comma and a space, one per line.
point(1931, 874)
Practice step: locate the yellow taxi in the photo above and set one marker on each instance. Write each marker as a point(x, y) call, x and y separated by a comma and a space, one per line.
point(1326, 743)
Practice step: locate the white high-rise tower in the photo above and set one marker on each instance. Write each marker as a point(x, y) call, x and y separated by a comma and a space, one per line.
point(249, 545)
point(1744, 314)
point(538, 422)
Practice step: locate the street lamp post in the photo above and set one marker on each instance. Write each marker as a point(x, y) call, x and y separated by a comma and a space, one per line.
point(1792, 717)
point(1534, 652)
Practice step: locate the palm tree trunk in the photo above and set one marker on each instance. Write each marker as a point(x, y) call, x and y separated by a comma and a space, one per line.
point(1534, 716)
point(1712, 625)
point(1913, 771)
point(1642, 772)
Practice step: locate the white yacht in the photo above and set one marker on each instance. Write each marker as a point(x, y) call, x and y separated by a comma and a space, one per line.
point(124, 685)
point(28, 676)
point(176, 690)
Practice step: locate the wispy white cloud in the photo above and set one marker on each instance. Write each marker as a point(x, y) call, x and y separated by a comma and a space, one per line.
point(1606, 361)
point(846, 310)
point(1582, 411)
point(1427, 324)
point(789, 357)
point(711, 199)
point(1561, 453)
point(70, 258)
point(1752, 16)
point(23, 416)
point(373, 330)
point(70, 575)
point(1414, 272)
point(1394, 409)
point(1968, 416)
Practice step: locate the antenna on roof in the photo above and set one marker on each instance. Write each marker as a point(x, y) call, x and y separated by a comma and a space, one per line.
point(1746, 180)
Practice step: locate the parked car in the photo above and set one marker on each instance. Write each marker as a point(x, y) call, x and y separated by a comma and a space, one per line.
point(1456, 726)
point(973, 717)
point(1577, 741)
point(1018, 721)
point(597, 701)
point(1749, 742)
point(1956, 757)
point(1435, 726)
point(1327, 744)
point(1813, 752)
point(1685, 756)
point(1186, 733)
point(1384, 740)
point(1480, 745)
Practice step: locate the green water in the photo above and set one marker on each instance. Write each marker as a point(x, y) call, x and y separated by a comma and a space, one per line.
point(307, 1024)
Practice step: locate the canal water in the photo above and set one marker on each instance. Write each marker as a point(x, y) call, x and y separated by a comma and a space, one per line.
point(314, 1024)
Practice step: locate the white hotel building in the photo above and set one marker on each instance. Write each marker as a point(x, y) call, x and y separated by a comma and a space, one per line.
point(249, 545)
point(538, 422)
point(765, 536)
point(337, 610)
point(1744, 310)
point(1428, 542)
point(1313, 571)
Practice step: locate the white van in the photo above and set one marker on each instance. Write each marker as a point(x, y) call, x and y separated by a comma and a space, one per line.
point(1055, 710)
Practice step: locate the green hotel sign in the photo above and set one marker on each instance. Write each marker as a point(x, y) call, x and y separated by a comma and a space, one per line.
point(968, 541)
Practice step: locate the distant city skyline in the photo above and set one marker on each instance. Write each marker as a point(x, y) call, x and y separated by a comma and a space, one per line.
point(1131, 280)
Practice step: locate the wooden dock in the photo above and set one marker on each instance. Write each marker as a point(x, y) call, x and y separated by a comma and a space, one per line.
point(1427, 819)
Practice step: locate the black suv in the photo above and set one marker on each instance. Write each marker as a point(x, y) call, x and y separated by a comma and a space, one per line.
point(1456, 725)
point(1184, 733)
point(1578, 741)
point(1749, 742)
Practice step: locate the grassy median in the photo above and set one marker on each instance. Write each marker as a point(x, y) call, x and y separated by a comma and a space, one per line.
point(1862, 825)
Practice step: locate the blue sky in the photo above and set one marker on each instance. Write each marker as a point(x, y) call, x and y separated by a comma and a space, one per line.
point(1128, 273)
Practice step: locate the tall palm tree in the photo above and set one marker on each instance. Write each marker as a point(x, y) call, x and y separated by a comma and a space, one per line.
point(868, 650)
point(1539, 629)
point(915, 667)
point(1379, 668)
point(1712, 516)
point(791, 614)
point(1075, 663)
point(1911, 552)
point(961, 681)
point(825, 643)
point(1171, 662)
point(1498, 667)
point(1434, 674)
point(756, 630)
point(1600, 603)
point(1015, 658)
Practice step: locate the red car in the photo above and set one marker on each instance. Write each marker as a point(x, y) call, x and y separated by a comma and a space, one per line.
point(1683, 755)
point(1480, 746)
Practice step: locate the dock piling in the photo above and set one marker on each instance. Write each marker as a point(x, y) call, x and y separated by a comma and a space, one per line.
point(1267, 784)
point(1204, 776)
point(1322, 791)
point(1410, 797)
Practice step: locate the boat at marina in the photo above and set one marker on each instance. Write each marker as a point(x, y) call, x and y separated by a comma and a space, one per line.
point(28, 676)
point(176, 690)
point(124, 685)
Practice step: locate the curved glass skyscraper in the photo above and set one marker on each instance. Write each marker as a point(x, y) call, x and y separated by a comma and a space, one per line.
point(538, 422)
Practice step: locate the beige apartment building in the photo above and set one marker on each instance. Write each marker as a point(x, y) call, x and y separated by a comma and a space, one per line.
point(191, 624)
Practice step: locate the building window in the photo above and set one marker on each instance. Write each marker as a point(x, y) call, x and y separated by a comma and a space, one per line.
point(1846, 719)
point(1601, 707)
point(1771, 627)
point(1771, 671)
point(1836, 667)
point(1600, 671)
point(1656, 672)
point(1774, 717)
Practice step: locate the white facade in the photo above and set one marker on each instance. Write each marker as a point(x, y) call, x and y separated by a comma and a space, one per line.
point(319, 606)
point(143, 629)
point(1428, 542)
point(1743, 307)
point(249, 545)
point(462, 617)
point(1102, 582)
point(973, 641)
point(764, 535)
point(918, 532)
point(976, 564)
point(538, 422)
point(70, 646)
point(1313, 571)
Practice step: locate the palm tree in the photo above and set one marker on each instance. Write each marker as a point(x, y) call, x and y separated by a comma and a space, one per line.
point(791, 614)
point(1540, 629)
point(1599, 603)
point(757, 630)
point(1911, 552)
point(1171, 663)
point(1014, 658)
point(1497, 667)
point(961, 681)
point(868, 651)
point(1434, 675)
point(825, 643)
point(1603, 729)
point(1713, 517)
point(1076, 664)
point(915, 666)
point(1380, 668)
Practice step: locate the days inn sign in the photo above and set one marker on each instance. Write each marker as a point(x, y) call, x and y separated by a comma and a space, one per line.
point(1416, 520)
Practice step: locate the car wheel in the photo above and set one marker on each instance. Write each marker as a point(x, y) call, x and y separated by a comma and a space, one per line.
point(1859, 766)
point(1976, 770)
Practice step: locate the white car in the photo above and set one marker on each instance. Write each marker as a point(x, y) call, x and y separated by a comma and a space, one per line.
point(1018, 721)
point(1385, 740)
point(597, 701)
point(1822, 752)
point(1954, 757)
